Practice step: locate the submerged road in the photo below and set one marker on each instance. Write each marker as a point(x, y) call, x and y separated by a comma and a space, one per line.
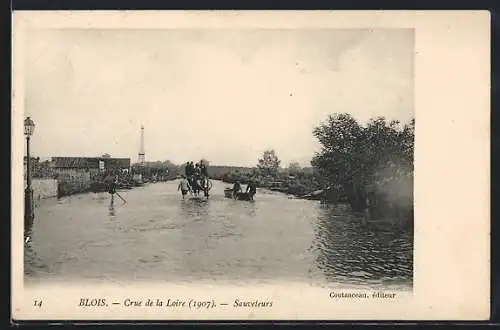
point(159, 236)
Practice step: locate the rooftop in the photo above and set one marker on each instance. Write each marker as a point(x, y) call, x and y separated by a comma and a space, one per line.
point(90, 162)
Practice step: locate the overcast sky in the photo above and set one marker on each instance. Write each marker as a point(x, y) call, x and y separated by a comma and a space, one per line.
point(223, 95)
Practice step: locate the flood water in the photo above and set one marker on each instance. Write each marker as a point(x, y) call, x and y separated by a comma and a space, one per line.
point(159, 236)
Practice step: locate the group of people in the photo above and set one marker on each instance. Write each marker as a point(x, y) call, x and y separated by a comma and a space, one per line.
point(196, 170)
point(195, 179)
point(251, 189)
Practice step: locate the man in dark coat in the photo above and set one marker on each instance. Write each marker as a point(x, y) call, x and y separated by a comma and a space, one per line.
point(251, 189)
point(236, 189)
point(110, 183)
point(203, 169)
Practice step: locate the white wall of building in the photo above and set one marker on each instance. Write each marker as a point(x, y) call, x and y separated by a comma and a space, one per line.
point(44, 188)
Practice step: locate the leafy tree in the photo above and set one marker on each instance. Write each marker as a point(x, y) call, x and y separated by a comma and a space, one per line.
point(168, 164)
point(269, 163)
point(355, 156)
point(294, 168)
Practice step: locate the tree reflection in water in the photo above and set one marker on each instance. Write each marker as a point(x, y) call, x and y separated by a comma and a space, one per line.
point(346, 251)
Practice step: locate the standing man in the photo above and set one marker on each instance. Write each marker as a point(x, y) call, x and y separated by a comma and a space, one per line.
point(251, 189)
point(203, 169)
point(236, 189)
point(110, 182)
point(204, 178)
point(189, 172)
point(184, 186)
point(197, 170)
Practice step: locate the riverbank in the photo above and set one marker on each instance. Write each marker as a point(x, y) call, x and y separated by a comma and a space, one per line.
point(301, 186)
point(391, 199)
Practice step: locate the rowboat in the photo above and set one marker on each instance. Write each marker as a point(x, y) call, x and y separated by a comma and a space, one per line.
point(242, 196)
point(276, 186)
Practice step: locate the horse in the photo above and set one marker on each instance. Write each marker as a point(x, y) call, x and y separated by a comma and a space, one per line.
point(206, 186)
point(201, 184)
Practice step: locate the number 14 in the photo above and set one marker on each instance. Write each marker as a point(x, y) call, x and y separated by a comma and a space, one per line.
point(38, 303)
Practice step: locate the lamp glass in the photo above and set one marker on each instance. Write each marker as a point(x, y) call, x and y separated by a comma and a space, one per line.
point(29, 126)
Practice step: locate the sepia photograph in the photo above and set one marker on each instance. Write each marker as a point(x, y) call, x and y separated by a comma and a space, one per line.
point(245, 155)
point(235, 156)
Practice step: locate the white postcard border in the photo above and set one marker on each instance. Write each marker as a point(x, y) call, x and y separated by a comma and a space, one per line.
point(452, 223)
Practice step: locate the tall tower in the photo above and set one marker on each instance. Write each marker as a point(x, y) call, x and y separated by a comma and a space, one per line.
point(142, 153)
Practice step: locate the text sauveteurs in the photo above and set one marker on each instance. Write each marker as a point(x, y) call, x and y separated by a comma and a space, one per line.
point(174, 303)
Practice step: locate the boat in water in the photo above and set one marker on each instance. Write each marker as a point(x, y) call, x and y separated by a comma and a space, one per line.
point(276, 186)
point(241, 196)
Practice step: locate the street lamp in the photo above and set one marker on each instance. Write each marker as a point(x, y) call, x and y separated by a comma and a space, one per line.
point(29, 215)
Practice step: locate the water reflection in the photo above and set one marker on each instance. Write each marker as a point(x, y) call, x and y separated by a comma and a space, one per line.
point(28, 227)
point(194, 208)
point(251, 208)
point(346, 251)
point(36, 264)
point(111, 209)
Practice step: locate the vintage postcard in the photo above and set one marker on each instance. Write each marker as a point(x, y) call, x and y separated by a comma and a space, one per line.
point(251, 165)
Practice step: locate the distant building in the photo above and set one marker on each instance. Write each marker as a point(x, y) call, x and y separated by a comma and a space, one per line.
point(89, 164)
point(34, 160)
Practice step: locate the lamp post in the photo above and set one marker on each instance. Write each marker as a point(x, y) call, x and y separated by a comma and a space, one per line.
point(29, 215)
